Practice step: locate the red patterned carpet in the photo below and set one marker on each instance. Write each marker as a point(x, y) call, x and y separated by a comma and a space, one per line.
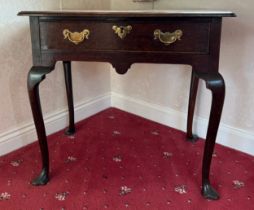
point(120, 161)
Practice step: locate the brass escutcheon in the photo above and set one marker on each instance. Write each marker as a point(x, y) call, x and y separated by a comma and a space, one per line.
point(122, 31)
point(76, 37)
point(168, 38)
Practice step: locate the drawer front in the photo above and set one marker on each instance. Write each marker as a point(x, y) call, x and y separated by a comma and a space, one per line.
point(139, 37)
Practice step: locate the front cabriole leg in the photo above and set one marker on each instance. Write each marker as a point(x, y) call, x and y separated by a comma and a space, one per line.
point(35, 76)
point(215, 83)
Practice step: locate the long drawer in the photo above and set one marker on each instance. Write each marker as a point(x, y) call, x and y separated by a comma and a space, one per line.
point(80, 36)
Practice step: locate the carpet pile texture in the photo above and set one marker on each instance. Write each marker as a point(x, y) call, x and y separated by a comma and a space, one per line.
point(118, 161)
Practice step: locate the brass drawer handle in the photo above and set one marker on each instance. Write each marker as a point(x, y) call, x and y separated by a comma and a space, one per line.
point(168, 38)
point(76, 37)
point(122, 31)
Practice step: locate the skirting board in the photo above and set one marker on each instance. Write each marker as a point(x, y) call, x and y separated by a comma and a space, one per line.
point(228, 136)
point(24, 135)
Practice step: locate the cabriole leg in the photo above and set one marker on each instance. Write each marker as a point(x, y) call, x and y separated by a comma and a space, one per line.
point(68, 84)
point(35, 76)
point(192, 100)
point(216, 84)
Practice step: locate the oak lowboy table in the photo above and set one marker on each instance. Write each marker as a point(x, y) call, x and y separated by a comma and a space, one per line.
point(123, 38)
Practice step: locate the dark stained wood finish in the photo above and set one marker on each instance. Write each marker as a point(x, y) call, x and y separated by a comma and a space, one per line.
point(128, 13)
point(68, 84)
point(35, 77)
point(141, 38)
point(215, 83)
point(192, 100)
point(199, 47)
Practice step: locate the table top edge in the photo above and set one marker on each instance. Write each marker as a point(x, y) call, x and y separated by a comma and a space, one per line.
point(131, 13)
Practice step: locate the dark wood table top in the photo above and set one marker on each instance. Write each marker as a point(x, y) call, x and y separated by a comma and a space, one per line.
point(131, 13)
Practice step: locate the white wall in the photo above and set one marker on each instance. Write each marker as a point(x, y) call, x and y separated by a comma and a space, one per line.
point(91, 80)
point(168, 85)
